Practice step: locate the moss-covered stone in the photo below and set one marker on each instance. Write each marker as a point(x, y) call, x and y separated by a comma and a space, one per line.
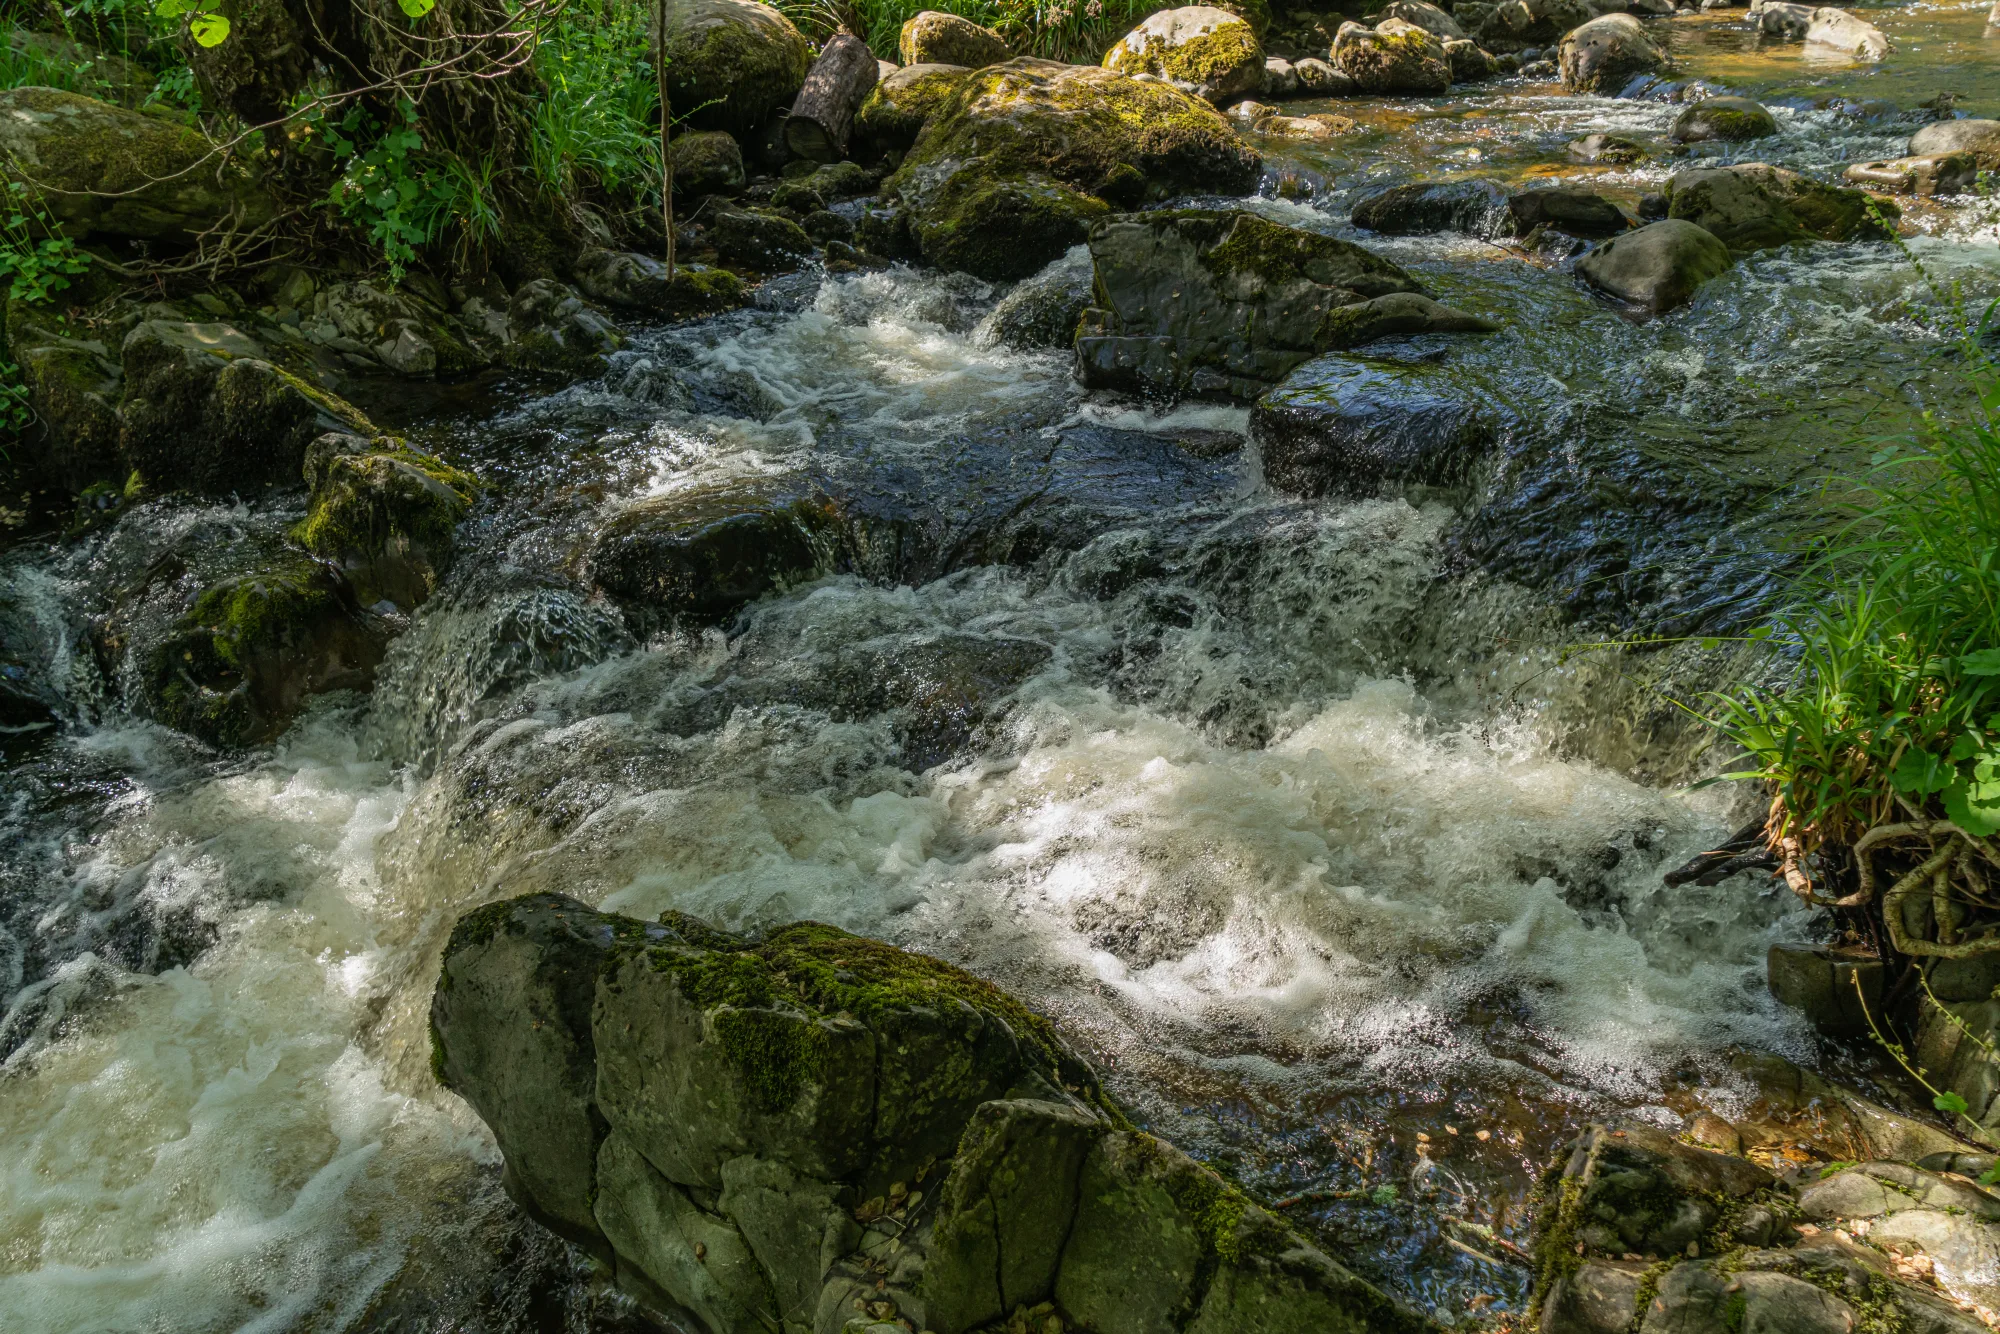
point(935, 38)
point(707, 162)
point(1753, 206)
point(74, 384)
point(897, 107)
point(1725, 119)
point(639, 282)
point(1003, 227)
point(1393, 57)
point(386, 516)
point(730, 63)
point(1210, 52)
point(758, 239)
point(104, 170)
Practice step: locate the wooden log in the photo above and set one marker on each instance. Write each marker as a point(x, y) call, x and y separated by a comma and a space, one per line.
point(822, 118)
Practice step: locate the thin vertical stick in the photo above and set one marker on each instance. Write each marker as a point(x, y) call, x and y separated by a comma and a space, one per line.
point(666, 118)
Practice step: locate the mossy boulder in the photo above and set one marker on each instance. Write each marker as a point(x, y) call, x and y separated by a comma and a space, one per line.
point(386, 515)
point(1515, 24)
point(105, 171)
point(202, 410)
point(639, 282)
point(707, 162)
point(898, 107)
point(1731, 120)
point(550, 328)
point(1474, 205)
point(1227, 303)
point(1003, 227)
point(74, 384)
point(732, 63)
point(934, 38)
point(1086, 130)
point(1392, 57)
point(1657, 267)
point(1607, 53)
point(1754, 206)
point(757, 239)
point(1209, 52)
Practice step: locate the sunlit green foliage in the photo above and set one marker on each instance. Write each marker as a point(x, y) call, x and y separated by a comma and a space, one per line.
point(601, 115)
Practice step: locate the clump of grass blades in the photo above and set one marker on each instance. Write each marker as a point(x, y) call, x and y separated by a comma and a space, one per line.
point(1888, 740)
point(601, 114)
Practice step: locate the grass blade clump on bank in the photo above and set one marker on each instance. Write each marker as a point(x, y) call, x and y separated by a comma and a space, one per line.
point(1887, 744)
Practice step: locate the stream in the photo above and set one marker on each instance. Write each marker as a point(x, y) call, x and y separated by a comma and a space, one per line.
point(1302, 818)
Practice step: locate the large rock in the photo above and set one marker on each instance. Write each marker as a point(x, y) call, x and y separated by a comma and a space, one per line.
point(1725, 119)
point(898, 107)
point(1009, 172)
point(732, 63)
point(639, 282)
point(1935, 174)
point(1981, 138)
point(1518, 23)
point(1752, 206)
point(933, 38)
point(1840, 30)
point(1228, 303)
point(1209, 52)
point(1639, 1190)
point(707, 162)
point(749, 1128)
point(385, 515)
point(1470, 63)
point(1426, 16)
point(1835, 990)
point(1782, 19)
point(1607, 53)
point(1043, 311)
point(1475, 206)
point(106, 171)
point(1342, 426)
point(74, 383)
point(1657, 267)
point(1566, 209)
point(1392, 57)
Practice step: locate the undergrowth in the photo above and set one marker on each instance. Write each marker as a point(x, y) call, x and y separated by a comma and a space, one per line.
point(1078, 31)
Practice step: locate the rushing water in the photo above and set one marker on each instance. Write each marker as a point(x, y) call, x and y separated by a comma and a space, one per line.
point(1294, 814)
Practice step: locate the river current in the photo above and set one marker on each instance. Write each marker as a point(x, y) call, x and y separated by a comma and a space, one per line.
point(1308, 820)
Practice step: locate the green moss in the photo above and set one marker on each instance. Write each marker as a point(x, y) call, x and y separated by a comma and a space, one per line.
point(1004, 227)
point(1202, 59)
point(245, 615)
point(1277, 253)
point(893, 119)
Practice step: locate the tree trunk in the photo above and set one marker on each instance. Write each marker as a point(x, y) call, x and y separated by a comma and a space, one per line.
point(840, 80)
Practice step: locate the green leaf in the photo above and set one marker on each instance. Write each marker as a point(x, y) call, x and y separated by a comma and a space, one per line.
point(1964, 747)
point(1986, 662)
point(167, 9)
point(209, 29)
point(1920, 773)
point(1950, 1102)
point(416, 9)
point(1974, 805)
point(1710, 644)
point(1384, 1194)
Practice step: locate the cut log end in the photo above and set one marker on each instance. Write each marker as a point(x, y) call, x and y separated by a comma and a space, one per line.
point(822, 119)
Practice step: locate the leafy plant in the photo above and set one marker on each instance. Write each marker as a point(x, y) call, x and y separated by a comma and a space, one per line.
point(205, 23)
point(1069, 30)
point(401, 197)
point(15, 410)
point(601, 114)
point(36, 259)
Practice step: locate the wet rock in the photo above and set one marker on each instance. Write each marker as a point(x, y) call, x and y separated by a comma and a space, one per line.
point(1821, 982)
point(74, 383)
point(732, 63)
point(1981, 138)
point(933, 38)
point(885, 231)
point(761, 240)
point(1280, 79)
point(385, 516)
point(395, 326)
point(1657, 267)
point(1323, 80)
point(1752, 206)
point(1516, 24)
point(1345, 426)
point(707, 162)
point(1640, 1190)
point(1611, 148)
point(1469, 63)
point(1722, 119)
point(104, 171)
point(1599, 1297)
point(1870, 1190)
point(1392, 57)
point(1964, 1249)
point(1305, 127)
point(1043, 311)
point(1795, 1106)
point(1937, 174)
point(700, 555)
point(1840, 30)
point(203, 411)
point(1566, 209)
point(1474, 206)
point(1004, 178)
point(1208, 52)
point(1607, 53)
point(1974, 978)
point(551, 328)
point(1227, 303)
point(900, 104)
point(1712, 1132)
point(1777, 18)
point(639, 282)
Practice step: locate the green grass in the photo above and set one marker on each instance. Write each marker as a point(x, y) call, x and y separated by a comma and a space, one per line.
point(600, 119)
point(1894, 712)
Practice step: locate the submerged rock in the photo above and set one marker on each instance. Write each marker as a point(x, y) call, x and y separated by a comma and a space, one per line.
point(752, 1130)
point(731, 63)
point(1753, 206)
point(1392, 57)
point(934, 38)
point(1981, 138)
point(1009, 172)
point(1347, 426)
point(898, 107)
point(1228, 303)
point(1043, 310)
point(1209, 52)
point(1607, 53)
point(1724, 119)
point(1476, 206)
point(1566, 209)
point(1657, 267)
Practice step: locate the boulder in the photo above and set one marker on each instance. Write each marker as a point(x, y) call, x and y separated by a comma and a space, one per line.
point(1601, 147)
point(1821, 983)
point(1043, 311)
point(749, 1128)
point(639, 282)
point(1596, 1297)
point(1566, 209)
point(1474, 206)
point(202, 410)
point(1937, 174)
point(699, 555)
point(551, 328)
point(1010, 170)
point(1209, 52)
point(1516, 24)
point(1722, 119)
point(1392, 57)
point(1323, 80)
point(1840, 30)
point(74, 384)
point(1607, 53)
point(1780, 19)
point(1426, 16)
point(732, 63)
point(1752, 206)
point(1658, 266)
point(1344, 426)
point(1280, 79)
point(757, 238)
point(1981, 138)
point(707, 162)
point(154, 179)
point(901, 103)
point(385, 515)
point(1639, 1190)
point(1227, 303)
point(933, 38)
point(1469, 62)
